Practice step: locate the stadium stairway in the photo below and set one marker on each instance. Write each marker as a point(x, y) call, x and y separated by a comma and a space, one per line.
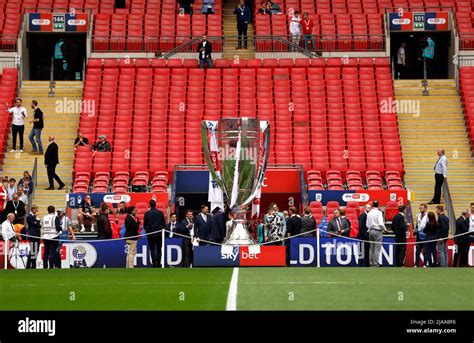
point(230, 30)
point(439, 124)
point(61, 122)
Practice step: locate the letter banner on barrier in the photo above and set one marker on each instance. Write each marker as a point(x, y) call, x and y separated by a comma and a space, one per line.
point(111, 254)
point(362, 197)
point(343, 252)
point(303, 252)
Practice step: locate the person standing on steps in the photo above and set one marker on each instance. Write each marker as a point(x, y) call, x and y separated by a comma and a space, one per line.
point(51, 160)
point(38, 126)
point(441, 174)
point(18, 123)
point(243, 18)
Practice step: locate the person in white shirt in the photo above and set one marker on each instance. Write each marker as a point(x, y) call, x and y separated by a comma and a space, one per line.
point(22, 195)
point(295, 28)
point(376, 228)
point(401, 61)
point(18, 123)
point(441, 174)
point(421, 220)
point(50, 233)
point(8, 230)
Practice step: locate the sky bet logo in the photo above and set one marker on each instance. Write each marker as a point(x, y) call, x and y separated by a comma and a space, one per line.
point(436, 21)
point(41, 22)
point(235, 252)
point(230, 254)
point(401, 21)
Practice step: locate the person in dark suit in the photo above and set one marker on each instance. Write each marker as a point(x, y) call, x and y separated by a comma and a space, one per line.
point(204, 226)
point(218, 219)
point(174, 227)
point(339, 225)
point(17, 207)
point(243, 16)
point(132, 224)
point(205, 50)
point(293, 227)
point(462, 242)
point(429, 249)
point(34, 231)
point(187, 226)
point(153, 222)
point(51, 160)
point(308, 223)
point(294, 223)
point(104, 228)
point(363, 234)
point(443, 233)
point(399, 228)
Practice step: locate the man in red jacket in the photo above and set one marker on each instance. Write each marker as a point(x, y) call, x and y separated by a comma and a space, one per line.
point(308, 29)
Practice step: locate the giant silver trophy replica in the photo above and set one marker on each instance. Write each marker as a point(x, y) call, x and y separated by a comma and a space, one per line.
point(237, 159)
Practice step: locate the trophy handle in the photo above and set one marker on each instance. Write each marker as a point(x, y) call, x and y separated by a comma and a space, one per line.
point(262, 163)
point(207, 153)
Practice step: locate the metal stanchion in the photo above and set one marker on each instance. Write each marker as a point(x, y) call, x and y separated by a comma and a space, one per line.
point(162, 248)
point(425, 79)
point(51, 79)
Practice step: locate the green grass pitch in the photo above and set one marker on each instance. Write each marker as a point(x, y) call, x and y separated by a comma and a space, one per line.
point(258, 289)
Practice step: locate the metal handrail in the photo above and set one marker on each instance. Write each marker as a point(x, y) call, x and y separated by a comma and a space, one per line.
point(34, 180)
point(182, 47)
point(51, 79)
point(448, 204)
point(4, 38)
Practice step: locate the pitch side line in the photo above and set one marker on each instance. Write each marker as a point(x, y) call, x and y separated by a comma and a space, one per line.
point(232, 295)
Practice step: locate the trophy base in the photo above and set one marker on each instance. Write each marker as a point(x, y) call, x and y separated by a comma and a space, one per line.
point(239, 235)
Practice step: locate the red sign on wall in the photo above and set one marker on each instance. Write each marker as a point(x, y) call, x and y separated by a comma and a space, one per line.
point(271, 256)
point(281, 181)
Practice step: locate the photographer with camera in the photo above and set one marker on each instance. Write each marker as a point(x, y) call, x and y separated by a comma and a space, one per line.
point(8, 231)
point(34, 233)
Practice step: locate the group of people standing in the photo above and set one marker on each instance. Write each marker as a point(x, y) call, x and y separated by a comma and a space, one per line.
point(53, 229)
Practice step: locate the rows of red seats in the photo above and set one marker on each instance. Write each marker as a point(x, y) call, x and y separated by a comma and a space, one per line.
point(151, 32)
point(467, 94)
point(367, 30)
point(354, 180)
point(324, 116)
point(368, 6)
point(142, 18)
point(8, 89)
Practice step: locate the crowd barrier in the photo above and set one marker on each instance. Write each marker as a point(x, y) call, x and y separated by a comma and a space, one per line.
point(295, 252)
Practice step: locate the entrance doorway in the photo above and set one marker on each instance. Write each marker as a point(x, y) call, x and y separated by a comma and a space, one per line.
point(415, 41)
point(41, 48)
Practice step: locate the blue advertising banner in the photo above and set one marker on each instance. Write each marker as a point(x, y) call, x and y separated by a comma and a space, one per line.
point(303, 252)
point(75, 200)
point(173, 252)
point(195, 181)
point(343, 252)
point(325, 196)
point(212, 256)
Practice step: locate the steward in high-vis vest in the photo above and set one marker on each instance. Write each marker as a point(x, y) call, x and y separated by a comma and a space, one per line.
point(50, 235)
